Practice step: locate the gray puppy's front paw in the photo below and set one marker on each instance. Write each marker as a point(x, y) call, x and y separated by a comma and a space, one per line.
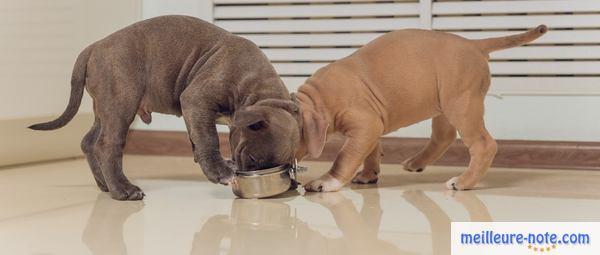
point(230, 163)
point(221, 173)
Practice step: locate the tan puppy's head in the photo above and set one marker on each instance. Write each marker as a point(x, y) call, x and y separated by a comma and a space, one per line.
point(314, 133)
point(265, 134)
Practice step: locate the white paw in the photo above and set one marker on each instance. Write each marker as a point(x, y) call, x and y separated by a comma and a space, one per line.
point(325, 183)
point(453, 184)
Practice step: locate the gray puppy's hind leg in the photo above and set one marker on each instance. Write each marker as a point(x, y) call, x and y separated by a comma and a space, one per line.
point(116, 112)
point(109, 150)
point(87, 146)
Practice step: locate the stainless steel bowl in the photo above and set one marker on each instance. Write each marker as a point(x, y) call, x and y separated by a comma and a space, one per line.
point(265, 182)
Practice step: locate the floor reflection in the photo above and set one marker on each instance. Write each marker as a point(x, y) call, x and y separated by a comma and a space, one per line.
point(54, 208)
point(271, 226)
point(103, 233)
point(439, 221)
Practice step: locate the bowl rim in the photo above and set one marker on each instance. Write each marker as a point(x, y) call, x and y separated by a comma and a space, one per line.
point(276, 169)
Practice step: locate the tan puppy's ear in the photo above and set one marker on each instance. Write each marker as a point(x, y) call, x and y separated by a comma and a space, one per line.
point(314, 132)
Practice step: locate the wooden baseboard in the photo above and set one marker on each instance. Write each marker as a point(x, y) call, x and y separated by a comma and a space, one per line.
point(511, 153)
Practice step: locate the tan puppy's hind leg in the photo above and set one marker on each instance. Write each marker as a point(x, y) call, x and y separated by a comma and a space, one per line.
point(370, 167)
point(482, 147)
point(358, 146)
point(443, 135)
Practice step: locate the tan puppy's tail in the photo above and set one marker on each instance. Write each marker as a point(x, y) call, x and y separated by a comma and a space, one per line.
point(500, 43)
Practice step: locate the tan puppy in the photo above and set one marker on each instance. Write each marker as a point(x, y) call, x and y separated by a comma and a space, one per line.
point(396, 80)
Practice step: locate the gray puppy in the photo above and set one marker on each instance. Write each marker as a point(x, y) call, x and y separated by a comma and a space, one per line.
point(182, 66)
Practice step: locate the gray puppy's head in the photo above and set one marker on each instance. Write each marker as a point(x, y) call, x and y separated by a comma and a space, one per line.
point(265, 134)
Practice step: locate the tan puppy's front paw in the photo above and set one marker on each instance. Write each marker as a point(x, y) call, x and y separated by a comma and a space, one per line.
point(411, 166)
point(325, 183)
point(365, 177)
point(455, 183)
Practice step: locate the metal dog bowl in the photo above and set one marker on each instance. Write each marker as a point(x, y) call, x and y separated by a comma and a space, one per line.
point(265, 182)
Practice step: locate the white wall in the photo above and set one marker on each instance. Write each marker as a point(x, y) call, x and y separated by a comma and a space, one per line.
point(39, 42)
point(555, 118)
point(198, 8)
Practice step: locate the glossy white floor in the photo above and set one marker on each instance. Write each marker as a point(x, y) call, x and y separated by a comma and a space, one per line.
point(55, 208)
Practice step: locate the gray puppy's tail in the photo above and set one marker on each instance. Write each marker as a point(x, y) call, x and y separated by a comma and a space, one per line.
point(77, 87)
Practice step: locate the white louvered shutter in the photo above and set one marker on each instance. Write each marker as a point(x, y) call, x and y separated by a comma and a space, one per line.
point(300, 36)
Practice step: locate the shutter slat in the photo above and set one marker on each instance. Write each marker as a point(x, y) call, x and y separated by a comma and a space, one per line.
point(546, 68)
point(496, 68)
point(545, 85)
point(326, 54)
point(246, 2)
point(494, 7)
point(316, 25)
point(516, 22)
point(329, 10)
point(359, 39)
point(533, 53)
point(305, 40)
point(549, 52)
point(567, 36)
point(517, 85)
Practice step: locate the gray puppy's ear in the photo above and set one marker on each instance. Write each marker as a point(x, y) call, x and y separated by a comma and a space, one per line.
point(287, 105)
point(251, 119)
